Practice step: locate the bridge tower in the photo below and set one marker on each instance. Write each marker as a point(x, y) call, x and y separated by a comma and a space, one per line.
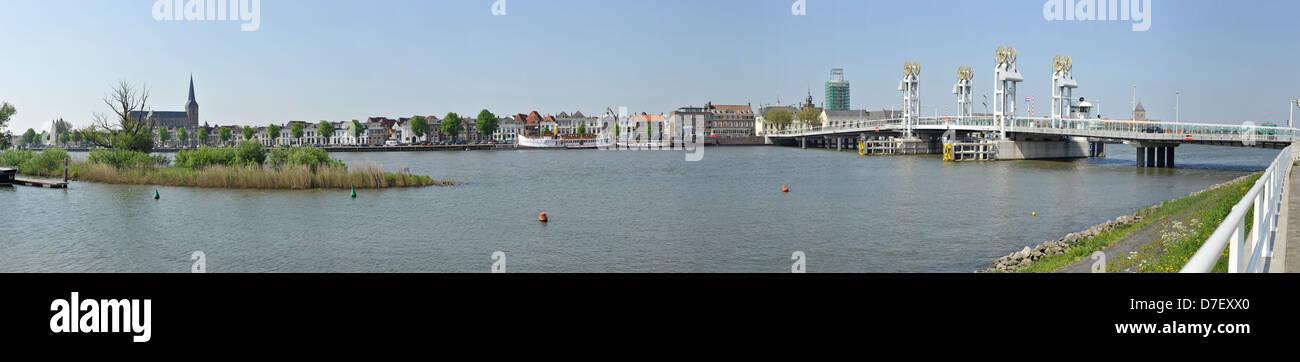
point(965, 106)
point(1005, 77)
point(1063, 86)
point(911, 96)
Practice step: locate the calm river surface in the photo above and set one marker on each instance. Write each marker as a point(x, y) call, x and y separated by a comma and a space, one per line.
point(611, 211)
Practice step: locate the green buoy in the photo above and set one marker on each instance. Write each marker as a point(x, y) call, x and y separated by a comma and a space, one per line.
point(354, 192)
point(155, 194)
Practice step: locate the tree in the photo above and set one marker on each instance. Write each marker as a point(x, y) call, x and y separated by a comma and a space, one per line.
point(249, 132)
point(203, 135)
point(582, 129)
point(616, 130)
point(273, 132)
point(163, 135)
point(127, 128)
point(224, 134)
point(486, 123)
point(29, 137)
point(325, 130)
point(809, 116)
point(182, 135)
point(76, 136)
point(6, 111)
point(452, 125)
point(419, 126)
point(65, 137)
point(296, 131)
point(357, 130)
point(778, 117)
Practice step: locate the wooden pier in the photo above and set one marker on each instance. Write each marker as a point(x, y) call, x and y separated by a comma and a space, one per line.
point(40, 183)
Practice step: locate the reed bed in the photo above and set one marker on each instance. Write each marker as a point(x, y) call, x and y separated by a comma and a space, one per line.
point(367, 176)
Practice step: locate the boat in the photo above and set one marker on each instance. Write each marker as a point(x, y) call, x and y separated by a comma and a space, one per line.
point(564, 141)
point(7, 175)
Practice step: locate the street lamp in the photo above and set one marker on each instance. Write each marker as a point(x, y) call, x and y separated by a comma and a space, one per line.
point(1177, 96)
point(1291, 108)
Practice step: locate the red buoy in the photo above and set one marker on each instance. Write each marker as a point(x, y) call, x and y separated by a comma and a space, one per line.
point(541, 217)
point(785, 188)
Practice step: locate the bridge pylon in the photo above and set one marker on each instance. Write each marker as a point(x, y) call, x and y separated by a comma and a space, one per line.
point(910, 87)
point(1006, 77)
point(1063, 85)
point(962, 89)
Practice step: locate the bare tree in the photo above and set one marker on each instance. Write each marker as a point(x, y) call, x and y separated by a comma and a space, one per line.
point(129, 123)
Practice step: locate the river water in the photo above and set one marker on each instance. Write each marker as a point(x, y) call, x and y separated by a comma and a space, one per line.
point(610, 211)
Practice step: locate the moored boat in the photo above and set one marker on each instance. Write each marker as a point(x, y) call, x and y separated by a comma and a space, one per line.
point(7, 175)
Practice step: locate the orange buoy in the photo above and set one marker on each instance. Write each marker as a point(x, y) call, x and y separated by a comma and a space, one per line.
point(785, 188)
point(541, 217)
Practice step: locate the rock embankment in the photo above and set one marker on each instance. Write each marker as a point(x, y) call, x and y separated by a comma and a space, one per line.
point(1028, 255)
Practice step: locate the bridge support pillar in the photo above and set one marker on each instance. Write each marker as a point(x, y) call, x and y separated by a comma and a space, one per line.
point(1171, 157)
point(839, 143)
point(1161, 156)
point(1142, 157)
point(803, 143)
point(1151, 156)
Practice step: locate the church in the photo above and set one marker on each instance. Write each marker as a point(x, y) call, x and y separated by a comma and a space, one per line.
point(189, 118)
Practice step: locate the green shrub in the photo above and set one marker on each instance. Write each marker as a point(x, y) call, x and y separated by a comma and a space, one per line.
point(142, 142)
point(15, 158)
point(126, 159)
point(46, 163)
point(248, 153)
point(302, 156)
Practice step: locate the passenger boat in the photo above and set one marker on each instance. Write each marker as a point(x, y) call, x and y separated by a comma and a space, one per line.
point(565, 141)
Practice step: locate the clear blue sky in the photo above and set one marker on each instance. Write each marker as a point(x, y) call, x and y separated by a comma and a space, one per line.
point(311, 60)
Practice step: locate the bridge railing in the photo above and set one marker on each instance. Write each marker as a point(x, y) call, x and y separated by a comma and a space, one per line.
point(1154, 130)
point(1103, 128)
point(1246, 252)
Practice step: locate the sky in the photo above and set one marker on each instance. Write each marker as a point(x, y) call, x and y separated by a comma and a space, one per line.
point(312, 60)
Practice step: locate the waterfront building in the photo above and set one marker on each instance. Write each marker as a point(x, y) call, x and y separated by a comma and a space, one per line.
point(837, 91)
point(729, 120)
point(607, 121)
point(684, 121)
point(762, 126)
point(508, 129)
point(634, 127)
point(189, 118)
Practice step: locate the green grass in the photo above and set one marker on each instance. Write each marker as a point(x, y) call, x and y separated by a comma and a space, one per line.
point(1177, 251)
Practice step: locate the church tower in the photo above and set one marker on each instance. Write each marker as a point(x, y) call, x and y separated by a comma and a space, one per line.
point(192, 107)
point(1139, 113)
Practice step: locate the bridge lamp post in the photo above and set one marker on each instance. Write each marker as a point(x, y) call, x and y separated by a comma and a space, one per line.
point(1177, 101)
point(1291, 105)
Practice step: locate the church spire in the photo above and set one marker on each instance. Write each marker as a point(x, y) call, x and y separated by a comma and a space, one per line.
point(192, 89)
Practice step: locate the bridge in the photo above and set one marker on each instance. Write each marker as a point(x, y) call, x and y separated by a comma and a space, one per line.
point(1071, 131)
point(1146, 136)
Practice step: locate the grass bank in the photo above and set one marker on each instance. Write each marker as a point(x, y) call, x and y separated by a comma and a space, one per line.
point(1180, 227)
point(141, 169)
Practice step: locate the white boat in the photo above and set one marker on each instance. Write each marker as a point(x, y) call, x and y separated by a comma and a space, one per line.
point(570, 142)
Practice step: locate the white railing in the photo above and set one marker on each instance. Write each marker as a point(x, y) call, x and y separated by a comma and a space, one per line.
point(1246, 253)
point(1100, 128)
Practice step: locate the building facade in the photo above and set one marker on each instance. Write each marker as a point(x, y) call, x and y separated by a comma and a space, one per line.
point(837, 91)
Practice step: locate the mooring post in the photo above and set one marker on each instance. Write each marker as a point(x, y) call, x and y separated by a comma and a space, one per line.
point(65, 170)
